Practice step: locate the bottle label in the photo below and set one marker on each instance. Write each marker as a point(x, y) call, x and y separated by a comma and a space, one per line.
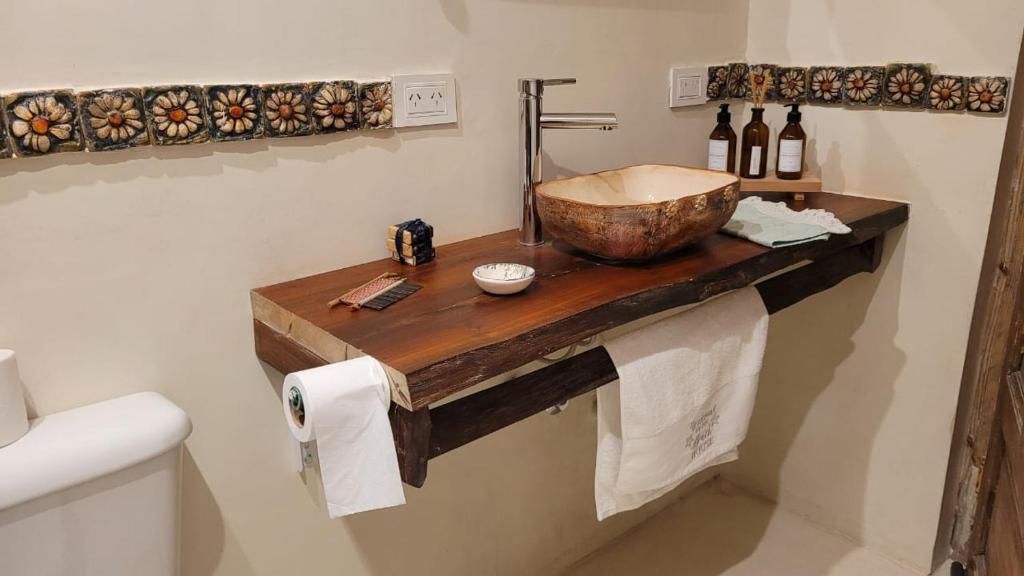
point(718, 155)
point(755, 161)
point(791, 156)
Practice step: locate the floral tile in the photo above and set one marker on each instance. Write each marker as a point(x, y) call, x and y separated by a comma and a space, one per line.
point(334, 106)
point(862, 85)
point(718, 82)
point(825, 85)
point(113, 119)
point(791, 84)
point(176, 115)
point(376, 107)
point(762, 74)
point(286, 110)
point(947, 93)
point(739, 78)
point(906, 85)
point(5, 146)
point(43, 122)
point(235, 112)
point(988, 94)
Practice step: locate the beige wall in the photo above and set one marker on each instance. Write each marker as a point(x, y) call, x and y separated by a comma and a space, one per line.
point(856, 408)
point(130, 271)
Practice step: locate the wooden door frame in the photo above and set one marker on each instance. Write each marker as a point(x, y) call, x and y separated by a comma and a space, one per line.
point(994, 348)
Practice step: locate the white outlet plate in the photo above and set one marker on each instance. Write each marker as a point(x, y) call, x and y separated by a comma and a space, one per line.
point(687, 87)
point(424, 99)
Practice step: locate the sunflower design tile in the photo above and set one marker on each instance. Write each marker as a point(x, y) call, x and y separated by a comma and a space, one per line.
point(988, 94)
point(739, 75)
point(43, 122)
point(286, 110)
point(791, 84)
point(825, 85)
point(376, 107)
point(862, 85)
point(947, 93)
point(764, 74)
point(177, 115)
point(5, 147)
point(235, 112)
point(906, 85)
point(335, 106)
point(718, 82)
point(113, 119)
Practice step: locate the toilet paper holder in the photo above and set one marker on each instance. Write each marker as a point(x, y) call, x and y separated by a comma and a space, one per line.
point(297, 406)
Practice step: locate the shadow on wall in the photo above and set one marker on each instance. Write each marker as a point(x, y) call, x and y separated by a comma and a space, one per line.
point(203, 532)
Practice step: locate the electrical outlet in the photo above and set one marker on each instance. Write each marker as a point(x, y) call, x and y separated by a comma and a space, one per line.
point(687, 87)
point(425, 99)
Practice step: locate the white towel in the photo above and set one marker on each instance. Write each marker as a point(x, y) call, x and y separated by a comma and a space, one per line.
point(346, 412)
point(683, 400)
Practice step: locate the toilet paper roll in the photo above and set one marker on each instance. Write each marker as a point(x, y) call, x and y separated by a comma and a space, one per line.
point(13, 416)
point(344, 408)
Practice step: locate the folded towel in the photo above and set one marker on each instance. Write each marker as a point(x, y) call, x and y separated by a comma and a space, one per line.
point(683, 400)
point(774, 225)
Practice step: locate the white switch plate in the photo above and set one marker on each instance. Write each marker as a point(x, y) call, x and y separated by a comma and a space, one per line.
point(424, 99)
point(687, 87)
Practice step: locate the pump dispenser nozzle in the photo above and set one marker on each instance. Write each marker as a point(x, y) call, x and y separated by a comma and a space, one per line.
point(724, 116)
point(794, 116)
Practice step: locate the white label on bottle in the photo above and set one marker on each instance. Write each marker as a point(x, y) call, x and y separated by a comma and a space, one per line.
point(718, 155)
point(791, 155)
point(755, 161)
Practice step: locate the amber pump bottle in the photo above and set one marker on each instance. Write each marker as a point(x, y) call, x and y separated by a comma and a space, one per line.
point(792, 144)
point(722, 143)
point(754, 157)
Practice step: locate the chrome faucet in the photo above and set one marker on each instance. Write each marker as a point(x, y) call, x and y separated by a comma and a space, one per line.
point(532, 121)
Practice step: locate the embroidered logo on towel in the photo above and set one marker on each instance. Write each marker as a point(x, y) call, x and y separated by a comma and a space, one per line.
point(702, 432)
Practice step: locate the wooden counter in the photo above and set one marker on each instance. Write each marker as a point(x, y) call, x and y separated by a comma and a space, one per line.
point(450, 335)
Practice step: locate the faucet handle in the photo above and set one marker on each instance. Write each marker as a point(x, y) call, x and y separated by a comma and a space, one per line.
point(559, 81)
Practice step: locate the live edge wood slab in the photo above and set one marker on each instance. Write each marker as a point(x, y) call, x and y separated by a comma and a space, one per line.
point(450, 335)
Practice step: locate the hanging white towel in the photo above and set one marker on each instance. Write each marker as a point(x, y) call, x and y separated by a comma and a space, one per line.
point(346, 413)
point(683, 400)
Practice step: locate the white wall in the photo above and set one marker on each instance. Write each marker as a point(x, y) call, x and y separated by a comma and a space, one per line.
point(857, 400)
point(130, 271)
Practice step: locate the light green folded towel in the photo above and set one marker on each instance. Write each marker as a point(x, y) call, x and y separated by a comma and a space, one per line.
point(774, 225)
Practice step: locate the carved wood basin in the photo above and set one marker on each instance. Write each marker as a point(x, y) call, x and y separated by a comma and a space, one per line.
point(637, 213)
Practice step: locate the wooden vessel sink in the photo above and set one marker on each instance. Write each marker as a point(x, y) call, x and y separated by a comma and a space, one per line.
point(637, 213)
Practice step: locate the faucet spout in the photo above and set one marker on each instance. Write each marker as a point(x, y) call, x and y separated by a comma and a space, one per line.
point(532, 122)
point(579, 121)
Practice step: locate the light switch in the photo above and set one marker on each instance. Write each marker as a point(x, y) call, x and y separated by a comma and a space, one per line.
point(686, 86)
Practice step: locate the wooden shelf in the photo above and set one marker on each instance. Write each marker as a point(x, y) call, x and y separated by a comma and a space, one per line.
point(450, 335)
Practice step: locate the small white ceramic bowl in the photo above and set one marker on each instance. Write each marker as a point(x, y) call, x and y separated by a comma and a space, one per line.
point(503, 278)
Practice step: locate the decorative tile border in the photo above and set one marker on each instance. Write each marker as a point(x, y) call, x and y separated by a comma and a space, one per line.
point(113, 119)
point(43, 122)
point(235, 112)
point(947, 93)
point(791, 85)
point(825, 85)
point(906, 85)
point(988, 94)
point(764, 74)
point(177, 115)
point(377, 105)
point(47, 122)
point(898, 86)
point(862, 85)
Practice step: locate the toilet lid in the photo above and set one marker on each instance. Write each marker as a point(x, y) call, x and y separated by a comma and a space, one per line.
point(69, 448)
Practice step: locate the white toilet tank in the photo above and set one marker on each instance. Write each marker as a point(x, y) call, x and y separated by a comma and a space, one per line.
point(95, 491)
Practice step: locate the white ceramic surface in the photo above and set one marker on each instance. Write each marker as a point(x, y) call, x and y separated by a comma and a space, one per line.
point(95, 491)
point(503, 278)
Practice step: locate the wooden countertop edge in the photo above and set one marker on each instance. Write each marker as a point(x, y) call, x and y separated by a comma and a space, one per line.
point(320, 343)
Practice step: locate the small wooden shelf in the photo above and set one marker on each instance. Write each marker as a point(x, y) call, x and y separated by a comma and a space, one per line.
point(450, 335)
